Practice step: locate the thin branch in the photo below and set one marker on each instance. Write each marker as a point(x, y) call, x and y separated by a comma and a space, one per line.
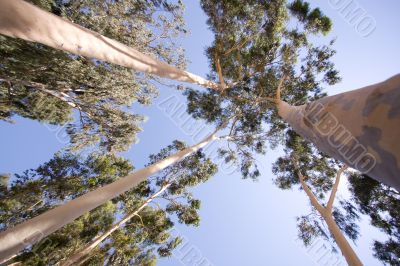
point(33, 206)
point(310, 194)
point(266, 99)
point(226, 137)
point(140, 217)
point(278, 90)
point(244, 42)
point(219, 71)
point(329, 206)
point(233, 125)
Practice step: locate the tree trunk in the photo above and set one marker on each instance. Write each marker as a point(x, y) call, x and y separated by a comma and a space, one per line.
point(97, 240)
point(347, 251)
point(326, 213)
point(361, 128)
point(31, 231)
point(20, 19)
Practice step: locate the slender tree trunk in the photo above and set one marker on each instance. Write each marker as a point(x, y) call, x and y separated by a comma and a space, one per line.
point(361, 128)
point(84, 251)
point(347, 251)
point(30, 232)
point(326, 213)
point(20, 19)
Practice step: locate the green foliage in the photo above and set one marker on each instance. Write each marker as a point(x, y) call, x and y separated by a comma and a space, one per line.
point(309, 229)
point(47, 85)
point(382, 204)
point(256, 46)
point(64, 177)
point(314, 20)
point(318, 169)
point(189, 172)
point(67, 176)
point(319, 172)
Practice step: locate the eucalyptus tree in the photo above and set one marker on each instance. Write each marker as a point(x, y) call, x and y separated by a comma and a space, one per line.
point(64, 177)
point(257, 47)
point(382, 204)
point(171, 184)
point(144, 231)
point(23, 20)
point(319, 176)
point(277, 54)
point(45, 84)
point(258, 51)
point(17, 238)
point(241, 31)
point(249, 113)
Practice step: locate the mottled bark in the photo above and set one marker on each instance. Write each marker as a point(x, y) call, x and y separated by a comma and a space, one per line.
point(20, 19)
point(85, 250)
point(31, 231)
point(361, 128)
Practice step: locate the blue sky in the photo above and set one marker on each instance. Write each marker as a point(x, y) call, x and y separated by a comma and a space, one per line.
point(243, 222)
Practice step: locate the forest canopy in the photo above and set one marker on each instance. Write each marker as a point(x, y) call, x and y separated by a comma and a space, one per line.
point(88, 65)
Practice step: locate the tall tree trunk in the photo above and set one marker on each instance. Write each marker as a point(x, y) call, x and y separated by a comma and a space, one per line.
point(31, 231)
point(361, 128)
point(20, 19)
point(347, 251)
point(326, 213)
point(84, 251)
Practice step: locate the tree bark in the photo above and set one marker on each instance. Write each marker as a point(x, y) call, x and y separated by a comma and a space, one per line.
point(347, 251)
point(31, 231)
point(84, 251)
point(361, 128)
point(329, 205)
point(20, 19)
point(326, 213)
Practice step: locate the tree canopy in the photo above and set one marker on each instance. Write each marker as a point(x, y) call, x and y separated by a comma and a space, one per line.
point(66, 176)
point(90, 96)
point(264, 56)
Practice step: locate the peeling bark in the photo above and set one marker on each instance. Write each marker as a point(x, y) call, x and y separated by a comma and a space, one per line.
point(361, 128)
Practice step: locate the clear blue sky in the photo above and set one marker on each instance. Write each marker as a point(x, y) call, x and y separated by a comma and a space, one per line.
point(243, 222)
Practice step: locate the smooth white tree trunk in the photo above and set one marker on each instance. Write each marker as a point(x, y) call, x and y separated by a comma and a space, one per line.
point(361, 128)
point(31, 231)
point(347, 251)
point(326, 213)
point(20, 19)
point(85, 250)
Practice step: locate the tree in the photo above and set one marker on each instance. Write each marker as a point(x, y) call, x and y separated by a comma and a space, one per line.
point(23, 20)
point(276, 56)
point(145, 232)
point(22, 235)
point(42, 83)
point(274, 52)
point(247, 131)
point(382, 204)
point(303, 164)
point(64, 177)
point(170, 184)
point(365, 140)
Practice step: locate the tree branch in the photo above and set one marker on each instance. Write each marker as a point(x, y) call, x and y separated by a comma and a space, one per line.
point(278, 90)
point(310, 194)
point(246, 40)
point(219, 71)
point(329, 206)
